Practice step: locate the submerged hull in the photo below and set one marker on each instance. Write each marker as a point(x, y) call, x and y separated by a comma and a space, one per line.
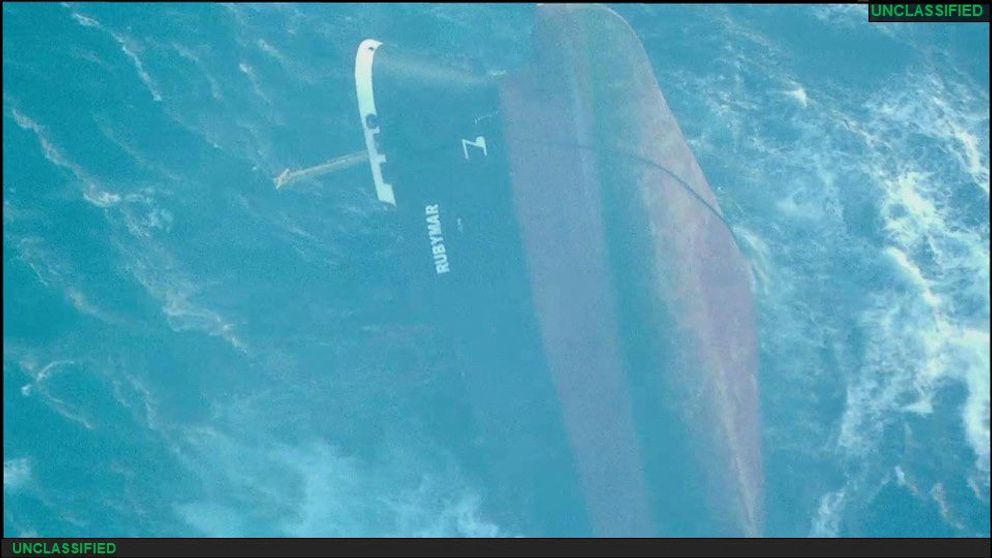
point(658, 330)
point(560, 207)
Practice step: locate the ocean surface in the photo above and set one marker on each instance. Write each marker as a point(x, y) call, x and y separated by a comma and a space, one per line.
point(188, 352)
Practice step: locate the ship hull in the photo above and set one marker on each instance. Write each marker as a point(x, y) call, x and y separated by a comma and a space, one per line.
point(561, 236)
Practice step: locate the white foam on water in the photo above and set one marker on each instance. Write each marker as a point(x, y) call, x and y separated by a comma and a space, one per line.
point(759, 259)
point(939, 495)
point(272, 51)
point(826, 522)
point(930, 327)
point(918, 149)
point(140, 216)
point(28, 362)
point(188, 54)
point(312, 489)
point(84, 20)
point(124, 140)
point(177, 293)
point(93, 192)
point(128, 46)
point(799, 94)
point(56, 272)
point(256, 85)
point(16, 473)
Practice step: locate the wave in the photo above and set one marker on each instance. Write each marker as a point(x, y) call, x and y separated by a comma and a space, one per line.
point(314, 490)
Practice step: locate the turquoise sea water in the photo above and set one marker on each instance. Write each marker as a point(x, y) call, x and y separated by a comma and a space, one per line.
point(188, 352)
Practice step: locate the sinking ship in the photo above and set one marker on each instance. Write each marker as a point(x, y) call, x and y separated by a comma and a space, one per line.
point(557, 208)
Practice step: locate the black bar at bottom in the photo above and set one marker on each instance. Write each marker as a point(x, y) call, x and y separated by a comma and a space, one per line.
point(501, 547)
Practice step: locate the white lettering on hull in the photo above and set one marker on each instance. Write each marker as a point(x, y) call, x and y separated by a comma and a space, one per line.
point(436, 236)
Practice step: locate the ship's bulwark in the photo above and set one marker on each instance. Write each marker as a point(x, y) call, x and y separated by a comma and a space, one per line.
point(643, 298)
